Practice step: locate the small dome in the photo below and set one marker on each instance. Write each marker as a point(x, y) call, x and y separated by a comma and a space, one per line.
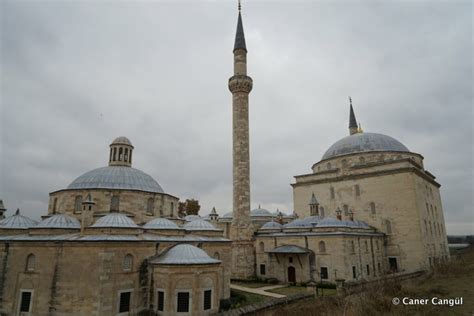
point(160, 223)
point(183, 254)
point(116, 177)
point(260, 212)
point(364, 142)
point(122, 140)
point(190, 218)
point(118, 220)
point(199, 225)
point(228, 215)
point(298, 223)
point(312, 219)
point(17, 221)
point(59, 221)
point(271, 225)
point(334, 222)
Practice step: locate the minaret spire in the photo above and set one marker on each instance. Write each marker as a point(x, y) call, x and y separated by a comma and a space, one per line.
point(353, 128)
point(239, 34)
point(241, 230)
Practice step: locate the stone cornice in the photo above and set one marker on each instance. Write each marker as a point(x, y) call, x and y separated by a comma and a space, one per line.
point(368, 174)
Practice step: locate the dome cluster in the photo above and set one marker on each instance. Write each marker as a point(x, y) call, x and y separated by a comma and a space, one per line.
point(313, 222)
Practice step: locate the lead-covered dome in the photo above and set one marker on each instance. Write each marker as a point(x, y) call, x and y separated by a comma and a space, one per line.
point(364, 142)
point(115, 220)
point(198, 225)
point(116, 177)
point(17, 221)
point(183, 254)
point(62, 221)
point(260, 212)
point(122, 140)
point(161, 223)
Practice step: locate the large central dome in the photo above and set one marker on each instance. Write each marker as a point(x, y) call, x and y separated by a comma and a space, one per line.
point(364, 142)
point(116, 177)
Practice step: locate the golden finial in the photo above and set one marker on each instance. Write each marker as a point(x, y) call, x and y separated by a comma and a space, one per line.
point(240, 6)
point(360, 130)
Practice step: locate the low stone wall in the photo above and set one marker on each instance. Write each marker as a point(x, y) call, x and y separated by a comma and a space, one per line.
point(270, 304)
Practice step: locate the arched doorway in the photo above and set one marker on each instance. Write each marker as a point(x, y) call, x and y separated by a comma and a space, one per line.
point(291, 275)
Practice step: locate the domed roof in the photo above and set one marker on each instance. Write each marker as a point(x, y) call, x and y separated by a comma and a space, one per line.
point(228, 215)
point(17, 221)
point(260, 212)
point(116, 177)
point(271, 225)
point(122, 140)
point(118, 220)
point(199, 225)
point(185, 254)
point(364, 142)
point(298, 223)
point(160, 223)
point(190, 218)
point(334, 222)
point(59, 221)
point(312, 219)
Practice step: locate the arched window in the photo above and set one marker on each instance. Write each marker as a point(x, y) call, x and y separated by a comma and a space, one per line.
point(217, 256)
point(130, 156)
point(366, 246)
point(321, 211)
point(78, 204)
point(172, 209)
point(150, 205)
point(261, 246)
point(115, 154)
point(30, 262)
point(352, 246)
point(345, 207)
point(127, 263)
point(120, 156)
point(126, 155)
point(55, 204)
point(344, 163)
point(332, 193)
point(328, 166)
point(357, 190)
point(115, 203)
point(427, 209)
point(388, 226)
point(372, 208)
point(322, 247)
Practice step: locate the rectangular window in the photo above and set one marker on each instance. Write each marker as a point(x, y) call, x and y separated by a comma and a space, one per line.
point(368, 270)
point(291, 259)
point(25, 302)
point(357, 190)
point(324, 273)
point(161, 301)
point(124, 305)
point(354, 274)
point(183, 302)
point(262, 269)
point(207, 299)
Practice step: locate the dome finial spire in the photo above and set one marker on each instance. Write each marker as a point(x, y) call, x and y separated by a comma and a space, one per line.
point(239, 6)
point(352, 120)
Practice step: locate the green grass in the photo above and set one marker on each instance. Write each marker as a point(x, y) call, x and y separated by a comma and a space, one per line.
point(252, 285)
point(291, 290)
point(248, 298)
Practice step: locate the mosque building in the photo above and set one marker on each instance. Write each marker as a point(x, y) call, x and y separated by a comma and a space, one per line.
point(112, 242)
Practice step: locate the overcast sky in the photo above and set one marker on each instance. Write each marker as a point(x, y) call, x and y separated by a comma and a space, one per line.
point(77, 74)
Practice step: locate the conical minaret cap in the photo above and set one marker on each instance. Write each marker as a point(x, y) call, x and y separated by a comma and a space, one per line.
point(239, 35)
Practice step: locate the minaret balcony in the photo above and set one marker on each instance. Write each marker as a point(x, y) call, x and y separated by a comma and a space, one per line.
point(240, 83)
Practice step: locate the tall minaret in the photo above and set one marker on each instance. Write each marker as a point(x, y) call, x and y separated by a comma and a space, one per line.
point(241, 231)
point(353, 128)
